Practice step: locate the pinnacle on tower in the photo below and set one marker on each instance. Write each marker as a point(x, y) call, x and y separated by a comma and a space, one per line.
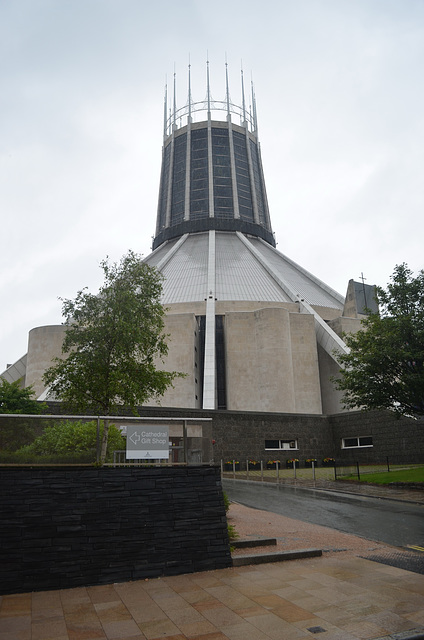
point(212, 175)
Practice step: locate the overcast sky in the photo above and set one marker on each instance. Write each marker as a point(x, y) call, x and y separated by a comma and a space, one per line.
point(340, 100)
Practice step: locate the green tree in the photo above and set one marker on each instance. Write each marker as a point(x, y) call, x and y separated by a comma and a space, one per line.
point(385, 366)
point(112, 343)
point(74, 437)
point(15, 399)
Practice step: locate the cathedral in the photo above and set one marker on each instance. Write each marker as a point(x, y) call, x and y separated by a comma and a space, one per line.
point(252, 330)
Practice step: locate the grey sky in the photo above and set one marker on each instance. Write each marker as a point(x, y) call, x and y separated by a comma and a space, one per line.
point(340, 97)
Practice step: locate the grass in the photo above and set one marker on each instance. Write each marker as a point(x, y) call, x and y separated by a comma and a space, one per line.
point(232, 533)
point(402, 475)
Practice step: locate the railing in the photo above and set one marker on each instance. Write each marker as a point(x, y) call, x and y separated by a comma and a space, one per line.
point(312, 471)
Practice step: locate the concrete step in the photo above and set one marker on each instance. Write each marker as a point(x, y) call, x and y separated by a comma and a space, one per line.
point(279, 556)
point(244, 543)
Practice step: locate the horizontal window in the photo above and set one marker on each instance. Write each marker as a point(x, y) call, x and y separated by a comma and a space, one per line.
point(360, 441)
point(281, 444)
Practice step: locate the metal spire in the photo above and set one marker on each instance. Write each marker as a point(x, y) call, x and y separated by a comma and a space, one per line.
point(255, 119)
point(189, 90)
point(175, 99)
point(165, 108)
point(242, 95)
point(227, 87)
point(208, 89)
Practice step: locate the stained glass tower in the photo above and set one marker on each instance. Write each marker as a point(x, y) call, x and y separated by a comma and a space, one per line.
point(212, 175)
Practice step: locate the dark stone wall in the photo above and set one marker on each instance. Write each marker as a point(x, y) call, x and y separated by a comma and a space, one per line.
point(401, 440)
point(67, 527)
point(241, 435)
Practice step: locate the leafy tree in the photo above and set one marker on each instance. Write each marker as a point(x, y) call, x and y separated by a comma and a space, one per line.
point(385, 366)
point(15, 399)
point(73, 437)
point(112, 343)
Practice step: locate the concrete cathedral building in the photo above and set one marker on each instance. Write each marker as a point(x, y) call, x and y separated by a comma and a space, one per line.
point(252, 329)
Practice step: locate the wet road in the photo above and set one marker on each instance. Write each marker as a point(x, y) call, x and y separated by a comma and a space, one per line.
point(397, 523)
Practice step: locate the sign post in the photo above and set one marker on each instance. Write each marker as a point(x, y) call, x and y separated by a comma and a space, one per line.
point(147, 442)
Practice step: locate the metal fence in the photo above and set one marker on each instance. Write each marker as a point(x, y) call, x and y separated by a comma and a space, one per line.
point(310, 471)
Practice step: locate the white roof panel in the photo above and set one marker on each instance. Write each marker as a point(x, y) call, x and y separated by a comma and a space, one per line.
point(246, 268)
point(309, 287)
point(240, 276)
point(187, 270)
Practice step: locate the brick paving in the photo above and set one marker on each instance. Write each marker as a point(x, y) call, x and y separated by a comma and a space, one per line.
point(339, 596)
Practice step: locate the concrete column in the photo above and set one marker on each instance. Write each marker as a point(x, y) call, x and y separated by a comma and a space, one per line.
point(210, 170)
point(209, 374)
point(252, 178)
point(188, 174)
point(169, 189)
point(264, 194)
point(233, 170)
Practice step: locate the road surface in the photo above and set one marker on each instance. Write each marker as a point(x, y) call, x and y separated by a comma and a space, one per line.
point(390, 521)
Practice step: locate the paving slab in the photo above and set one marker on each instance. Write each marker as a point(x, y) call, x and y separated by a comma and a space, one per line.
point(341, 595)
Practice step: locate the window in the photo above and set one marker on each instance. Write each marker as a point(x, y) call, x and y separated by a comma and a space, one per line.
point(281, 444)
point(361, 441)
point(178, 180)
point(199, 182)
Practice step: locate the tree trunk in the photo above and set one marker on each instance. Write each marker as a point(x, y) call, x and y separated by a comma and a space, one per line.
point(104, 441)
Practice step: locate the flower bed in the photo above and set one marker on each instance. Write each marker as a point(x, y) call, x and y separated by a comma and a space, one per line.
point(309, 461)
point(272, 464)
point(328, 462)
point(228, 466)
point(293, 462)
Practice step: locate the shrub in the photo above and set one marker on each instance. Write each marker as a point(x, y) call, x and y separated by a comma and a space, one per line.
point(69, 438)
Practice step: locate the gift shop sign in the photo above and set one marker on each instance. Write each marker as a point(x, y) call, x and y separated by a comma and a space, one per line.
point(145, 442)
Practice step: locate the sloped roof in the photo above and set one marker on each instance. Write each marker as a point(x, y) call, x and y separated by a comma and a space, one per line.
point(15, 371)
point(246, 268)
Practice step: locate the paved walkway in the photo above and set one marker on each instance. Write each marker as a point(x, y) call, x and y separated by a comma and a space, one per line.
point(340, 596)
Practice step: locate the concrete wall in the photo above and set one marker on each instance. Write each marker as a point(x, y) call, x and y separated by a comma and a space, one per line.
point(271, 359)
point(331, 398)
point(44, 344)
point(306, 380)
point(258, 361)
point(343, 325)
point(272, 362)
point(63, 528)
point(328, 367)
point(182, 357)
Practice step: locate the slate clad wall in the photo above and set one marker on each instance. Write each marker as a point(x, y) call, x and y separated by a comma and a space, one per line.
point(242, 436)
point(399, 439)
point(63, 527)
